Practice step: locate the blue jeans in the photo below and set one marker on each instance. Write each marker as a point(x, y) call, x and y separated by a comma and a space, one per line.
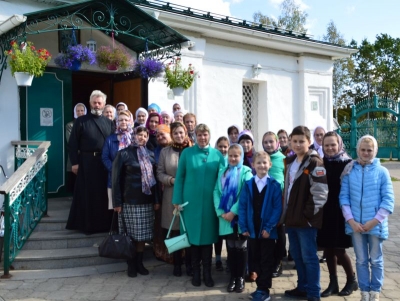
point(368, 249)
point(303, 248)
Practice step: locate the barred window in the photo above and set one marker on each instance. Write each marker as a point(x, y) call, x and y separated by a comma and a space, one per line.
point(250, 107)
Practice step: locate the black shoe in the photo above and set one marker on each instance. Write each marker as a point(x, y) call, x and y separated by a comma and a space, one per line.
point(196, 280)
point(189, 270)
point(177, 271)
point(208, 281)
point(295, 293)
point(231, 285)
point(277, 271)
point(218, 266)
point(350, 287)
point(333, 287)
point(322, 260)
point(240, 284)
point(139, 264)
point(132, 268)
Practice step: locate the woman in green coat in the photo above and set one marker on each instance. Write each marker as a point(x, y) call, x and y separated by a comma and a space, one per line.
point(194, 183)
point(270, 143)
point(226, 195)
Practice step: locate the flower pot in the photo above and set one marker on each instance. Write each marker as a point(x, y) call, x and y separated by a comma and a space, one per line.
point(178, 91)
point(24, 79)
point(76, 65)
point(112, 67)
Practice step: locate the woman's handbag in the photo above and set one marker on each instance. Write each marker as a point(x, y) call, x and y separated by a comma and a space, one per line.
point(117, 246)
point(178, 242)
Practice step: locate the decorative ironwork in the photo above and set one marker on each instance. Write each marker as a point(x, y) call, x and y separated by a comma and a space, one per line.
point(23, 152)
point(386, 130)
point(17, 34)
point(25, 201)
point(107, 17)
point(250, 108)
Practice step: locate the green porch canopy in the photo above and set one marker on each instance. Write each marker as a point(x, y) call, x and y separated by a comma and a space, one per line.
point(131, 26)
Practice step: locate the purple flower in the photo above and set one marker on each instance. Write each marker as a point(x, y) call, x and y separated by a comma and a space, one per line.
point(75, 53)
point(149, 68)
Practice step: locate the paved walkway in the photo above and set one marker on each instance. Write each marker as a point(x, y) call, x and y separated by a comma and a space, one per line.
point(99, 283)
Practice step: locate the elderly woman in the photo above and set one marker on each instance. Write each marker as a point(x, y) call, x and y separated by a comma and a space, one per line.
point(166, 172)
point(119, 140)
point(167, 117)
point(79, 110)
point(154, 108)
point(135, 193)
point(109, 112)
point(141, 117)
point(178, 115)
point(319, 133)
point(194, 183)
point(121, 106)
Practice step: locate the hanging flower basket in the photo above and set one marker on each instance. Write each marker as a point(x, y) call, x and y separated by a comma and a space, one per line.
point(114, 58)
point(149, 68)
point(178, 91)
point(74, 56)
point(24, 58)
point(176, 76)
point(23, 79)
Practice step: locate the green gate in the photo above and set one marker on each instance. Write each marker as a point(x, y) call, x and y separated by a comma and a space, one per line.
point(385, 128)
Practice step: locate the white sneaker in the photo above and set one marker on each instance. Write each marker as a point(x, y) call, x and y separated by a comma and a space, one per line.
point(373, 296)
point(365, 296)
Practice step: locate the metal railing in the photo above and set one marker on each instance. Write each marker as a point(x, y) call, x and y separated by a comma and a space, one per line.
point(25, 197)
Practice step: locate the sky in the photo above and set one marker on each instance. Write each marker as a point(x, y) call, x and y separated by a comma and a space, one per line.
point(355, 19)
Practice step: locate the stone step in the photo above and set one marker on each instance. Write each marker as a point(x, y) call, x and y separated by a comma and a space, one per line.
point(62, 239)
point(59, 258)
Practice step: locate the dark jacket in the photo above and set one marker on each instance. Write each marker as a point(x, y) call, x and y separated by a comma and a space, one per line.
point(271, 208)
point(110, 150)
point(303, 207)
point(127, 179)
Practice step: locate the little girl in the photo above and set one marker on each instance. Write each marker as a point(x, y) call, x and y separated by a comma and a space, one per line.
point(222, 145)
point(366, 199)
point(226, 194)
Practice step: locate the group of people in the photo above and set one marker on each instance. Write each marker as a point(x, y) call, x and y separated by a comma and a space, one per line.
point(154, 165)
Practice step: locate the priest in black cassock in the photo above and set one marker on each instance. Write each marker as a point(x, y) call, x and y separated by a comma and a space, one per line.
point(89, 210)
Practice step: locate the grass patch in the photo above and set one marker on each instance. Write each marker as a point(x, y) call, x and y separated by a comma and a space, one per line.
point(394, 179)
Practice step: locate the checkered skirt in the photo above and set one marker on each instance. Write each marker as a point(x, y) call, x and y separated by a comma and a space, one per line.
point(139, 220)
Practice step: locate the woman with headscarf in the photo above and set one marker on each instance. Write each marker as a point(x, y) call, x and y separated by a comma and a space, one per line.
point(166, 172)
point(246, 140)
point(178, 115)
point(121, 139)
point(332, 237)
point(226, 196)
point(154, 108)
point(233, 133)
point(110, 112)
point(141, 117)
point(151, 124)
point(121, 106)
point(167, 117)
point(194, 183)
point(79, 110)
point(319, 133)
point(135, 195)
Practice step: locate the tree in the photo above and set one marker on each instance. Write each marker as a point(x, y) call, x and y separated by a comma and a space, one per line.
point(341, 70)
point(291, 18)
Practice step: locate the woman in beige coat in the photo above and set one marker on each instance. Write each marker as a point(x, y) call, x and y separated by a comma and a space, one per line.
point(166, 171)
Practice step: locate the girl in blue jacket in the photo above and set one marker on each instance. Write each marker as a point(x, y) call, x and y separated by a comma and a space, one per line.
point(366, 199)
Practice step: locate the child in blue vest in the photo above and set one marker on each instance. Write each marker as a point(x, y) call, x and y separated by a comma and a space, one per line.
point(260, 207)
point(366, 198)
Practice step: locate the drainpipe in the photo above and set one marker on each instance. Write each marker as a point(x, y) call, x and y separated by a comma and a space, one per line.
point(11, 22)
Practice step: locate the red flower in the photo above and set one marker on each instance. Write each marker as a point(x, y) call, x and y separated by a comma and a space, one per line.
point(10, 51)
point(33, 48)
point(191, 72)
point(12, 43)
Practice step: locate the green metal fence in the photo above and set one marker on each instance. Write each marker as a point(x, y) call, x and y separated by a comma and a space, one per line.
point(385, 128)
point(25, 197)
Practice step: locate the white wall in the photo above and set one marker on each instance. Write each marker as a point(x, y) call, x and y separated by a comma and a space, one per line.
point(288, 86)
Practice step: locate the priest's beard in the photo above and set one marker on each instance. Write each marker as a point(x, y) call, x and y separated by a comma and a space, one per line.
point(97, 112)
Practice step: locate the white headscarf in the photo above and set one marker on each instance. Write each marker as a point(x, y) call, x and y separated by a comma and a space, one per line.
point(79, 105)
point(144, 111)
point(121, 103)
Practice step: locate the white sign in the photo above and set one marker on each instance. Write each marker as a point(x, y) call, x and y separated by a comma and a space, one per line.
point(46, 116)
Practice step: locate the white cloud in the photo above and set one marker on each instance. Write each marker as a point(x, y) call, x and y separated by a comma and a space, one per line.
point(350, 9)
point(221, 7)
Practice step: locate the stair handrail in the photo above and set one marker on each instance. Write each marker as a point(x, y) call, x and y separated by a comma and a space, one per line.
point(25, 199)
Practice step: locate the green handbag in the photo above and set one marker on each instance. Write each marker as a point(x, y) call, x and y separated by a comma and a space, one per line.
point(178, 242)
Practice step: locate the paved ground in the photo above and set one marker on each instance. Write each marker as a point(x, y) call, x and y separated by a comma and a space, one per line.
point(106, 284)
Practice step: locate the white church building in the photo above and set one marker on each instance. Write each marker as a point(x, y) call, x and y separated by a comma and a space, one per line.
point(263, 79)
